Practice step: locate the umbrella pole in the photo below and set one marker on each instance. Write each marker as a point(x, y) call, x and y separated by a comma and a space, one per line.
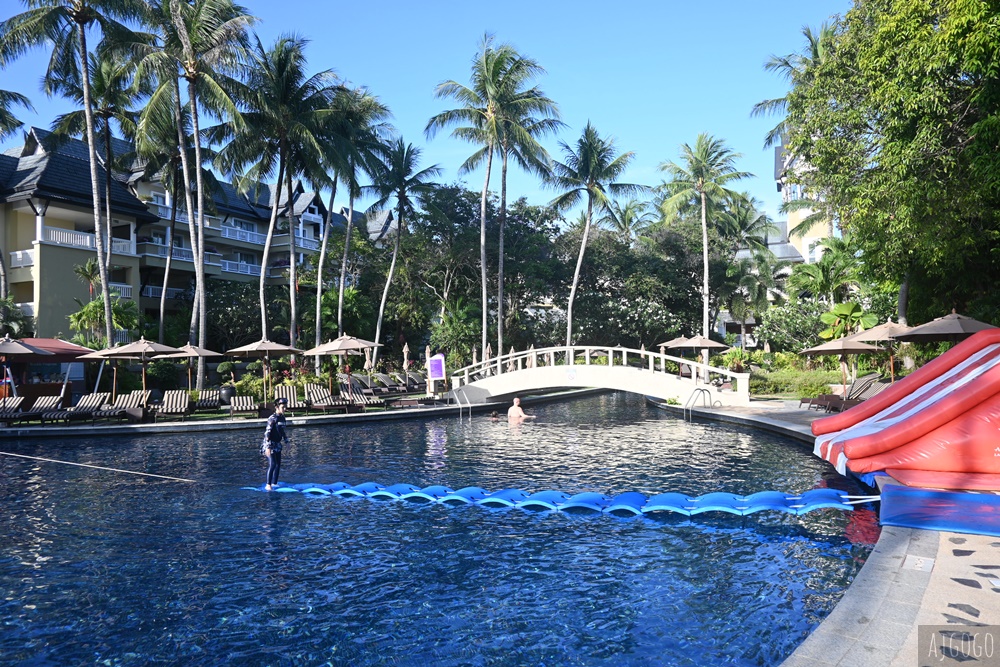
point(62, 392)
point(143, 376)
point(10, 379)
point(114, 383)
point(100, 372)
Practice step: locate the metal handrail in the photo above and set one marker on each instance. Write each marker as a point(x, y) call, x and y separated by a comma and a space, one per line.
point(688, 410)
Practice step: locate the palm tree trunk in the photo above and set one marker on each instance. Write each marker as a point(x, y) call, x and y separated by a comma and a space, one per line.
point(704, 282)
point(170, 256)
point(503, 220)
point(902, 301)
point(343, 262)
point(3, 276)
point(388, 282)
point(292, 261)
point(267, 248)
point(199, 260)
point(576, 273)
point(95, 187)
point(107, 200)
point(319, 275)
point(188, 199)
point(482, 242)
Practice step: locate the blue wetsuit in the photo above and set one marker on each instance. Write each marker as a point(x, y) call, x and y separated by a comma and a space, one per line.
point(274, 437)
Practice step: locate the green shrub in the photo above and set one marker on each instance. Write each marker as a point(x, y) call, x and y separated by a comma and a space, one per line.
point(163, 374)
point(801, 384)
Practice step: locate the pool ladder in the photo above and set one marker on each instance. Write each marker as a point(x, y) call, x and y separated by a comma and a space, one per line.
point(706, 399)
point(458, 399)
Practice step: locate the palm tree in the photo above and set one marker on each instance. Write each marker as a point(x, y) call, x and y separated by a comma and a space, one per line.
point(8, 121)
point(831, 278)
point(797, 68)
point(708, 168)
point(629, 220)
point(593, 168)
point(62, 25)
point(114, 93)
point(478, 122)
point(89, 274)
point(200, 41)
point(741, 225)
point(755, 282)
point(282, 129)
point(398, 177)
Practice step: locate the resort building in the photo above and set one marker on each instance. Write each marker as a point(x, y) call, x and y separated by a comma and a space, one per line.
point(806, 245)
point(47, 229)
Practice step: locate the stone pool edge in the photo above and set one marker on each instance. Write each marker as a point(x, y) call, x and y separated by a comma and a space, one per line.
point(873, 621)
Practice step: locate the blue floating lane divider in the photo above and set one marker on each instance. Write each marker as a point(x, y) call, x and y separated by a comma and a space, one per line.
point(630, 503)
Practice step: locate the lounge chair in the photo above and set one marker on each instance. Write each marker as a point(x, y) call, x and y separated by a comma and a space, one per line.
point(175, 403)
point(393, 385)
point(84, 409)
point(830, 402)
point(41, 406)
point(241, 405)
point(360, 399)
point(209, 400)
point(871, 390)
point(320, 398)
point(416, 381)
point(123, 403)
point(291, 394)
point(10, 408)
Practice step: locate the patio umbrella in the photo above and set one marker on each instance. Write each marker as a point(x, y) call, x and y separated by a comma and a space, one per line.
point(406, 356)
point(511, 366)
point(189, 352)
point(142, 349)
point(841, 347)
point(953, 328)
point(10, 347)
point(887, 331)
point(343, 346)
point(263, 349)
point(673, 343)
point(475, 356)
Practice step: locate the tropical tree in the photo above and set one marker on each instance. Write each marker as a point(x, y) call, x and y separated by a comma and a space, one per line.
point(742, 226)
point(628, 220)
point(708, 168)
point(398, 177)
point(592, 169)
point(281, 132)
point(89, 274)
point(8, 125)
point(201, 42)
point(832, 277)
point(755, 282)
point(498, 114)
point(62, 25)
point(799, 70)
point(13, 321)
point(114, 95)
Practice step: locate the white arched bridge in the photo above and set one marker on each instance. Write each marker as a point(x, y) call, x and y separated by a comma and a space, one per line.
point(639, 371)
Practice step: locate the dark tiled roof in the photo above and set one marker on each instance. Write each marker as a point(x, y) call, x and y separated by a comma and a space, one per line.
point(379, 225)
point(63, 178)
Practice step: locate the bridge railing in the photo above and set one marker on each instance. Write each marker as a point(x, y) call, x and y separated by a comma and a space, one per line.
point(578, 355)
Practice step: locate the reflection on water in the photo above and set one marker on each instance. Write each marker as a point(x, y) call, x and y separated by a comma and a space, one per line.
point(99, 567)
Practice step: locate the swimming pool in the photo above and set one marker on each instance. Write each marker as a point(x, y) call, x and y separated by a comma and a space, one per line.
point(101, 567)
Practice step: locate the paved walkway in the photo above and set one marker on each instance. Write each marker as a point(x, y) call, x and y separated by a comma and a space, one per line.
point(912, 578)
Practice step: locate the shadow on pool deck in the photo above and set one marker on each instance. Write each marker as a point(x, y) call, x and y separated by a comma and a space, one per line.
point(911, 578)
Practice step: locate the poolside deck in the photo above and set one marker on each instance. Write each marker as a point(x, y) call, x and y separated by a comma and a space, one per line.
point(912, 578)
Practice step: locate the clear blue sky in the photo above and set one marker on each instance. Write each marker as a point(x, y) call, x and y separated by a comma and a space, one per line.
point(650, 73)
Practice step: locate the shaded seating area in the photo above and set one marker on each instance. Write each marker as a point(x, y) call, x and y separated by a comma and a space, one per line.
point(872, 389)
point(290, 393)
point(10, 405)
point(176, 403)
point(415, 381)
point(393, 385)
point(320, 398)
point(41, 406)
point(242, 405)
point(85, 409)
point(347, 391)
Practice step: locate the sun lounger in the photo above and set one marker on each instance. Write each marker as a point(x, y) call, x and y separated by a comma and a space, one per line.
point(291, 394)
point(175, 403)
point(873, 389)
point(209, 400)
point(320, 398)
point(360, 400)
point(830, 402)
point(393, 385)
point(10, 408)
point(123, 403)
point(242, 404)
point(85, 409)
point(416, 381)
point(41, 406)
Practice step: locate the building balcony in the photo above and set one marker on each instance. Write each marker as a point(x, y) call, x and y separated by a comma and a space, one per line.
point(162, 210)
point(69, 237)
point(301, 242)
point(28, 308)
point(22, 259)
point(155, 291)
point(312, 217)
point(181, 254)
point(236, 234)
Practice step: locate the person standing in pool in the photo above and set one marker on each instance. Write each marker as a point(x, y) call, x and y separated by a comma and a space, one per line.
point(274, 438)
point(515, 414)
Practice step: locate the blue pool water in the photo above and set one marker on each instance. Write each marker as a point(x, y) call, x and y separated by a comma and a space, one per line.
point(98, 567)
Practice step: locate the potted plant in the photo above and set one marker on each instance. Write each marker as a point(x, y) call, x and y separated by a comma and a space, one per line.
point(228, 389)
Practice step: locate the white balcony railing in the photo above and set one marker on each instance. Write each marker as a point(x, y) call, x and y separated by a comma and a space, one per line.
point(84, 240)
point(122, 337)
point(121, 289)
point(240, 267)
point(154, 292)
point(163, 211)
point(237, 234)
point(22, 258)
point(28, 308)
point(312, 217)
point(301, 242)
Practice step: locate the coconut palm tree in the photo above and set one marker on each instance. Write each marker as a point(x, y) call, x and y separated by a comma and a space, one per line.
point(478, 121)
point(8, 121)
point(741, 225)
point(708, 168)
point(201, 42)
point(398, 177)
point(287, 114)
point(114, 94)
point(798, 69)
point(62, 25)
point(592, 169)
point(629, 220)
